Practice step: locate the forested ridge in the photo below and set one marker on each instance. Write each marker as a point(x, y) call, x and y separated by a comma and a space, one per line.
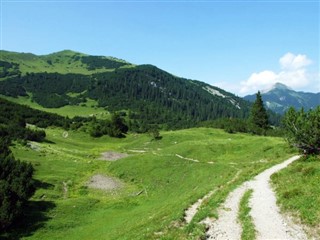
point(151, 95)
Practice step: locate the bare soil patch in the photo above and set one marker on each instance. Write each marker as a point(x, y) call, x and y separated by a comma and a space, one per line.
point(112, 156)
point(104, 183)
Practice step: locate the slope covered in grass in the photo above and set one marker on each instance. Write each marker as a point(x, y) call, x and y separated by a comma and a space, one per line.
point(160, 180)
point(89, 108)
point(298, 191)
point(63, 62)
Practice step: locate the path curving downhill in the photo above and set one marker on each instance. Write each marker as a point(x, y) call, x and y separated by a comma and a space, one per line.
point(268, 221)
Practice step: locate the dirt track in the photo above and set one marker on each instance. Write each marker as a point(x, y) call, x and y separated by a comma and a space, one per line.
point(268, 221)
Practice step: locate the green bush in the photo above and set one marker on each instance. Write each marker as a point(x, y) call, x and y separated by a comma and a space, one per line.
point(303, 129)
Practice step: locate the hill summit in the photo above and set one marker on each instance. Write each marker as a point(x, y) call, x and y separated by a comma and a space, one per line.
point(281, 86)
point(66, 61)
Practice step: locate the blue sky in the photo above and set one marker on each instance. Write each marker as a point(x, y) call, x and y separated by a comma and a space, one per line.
point(241, 46)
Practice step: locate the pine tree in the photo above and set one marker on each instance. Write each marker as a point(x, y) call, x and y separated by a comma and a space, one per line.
point(16, 185)
point(258, 116)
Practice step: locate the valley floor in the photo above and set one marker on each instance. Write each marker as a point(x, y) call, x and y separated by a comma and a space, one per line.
point(158, 181)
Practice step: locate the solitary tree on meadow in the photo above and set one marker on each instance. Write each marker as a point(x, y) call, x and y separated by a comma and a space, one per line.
point(258, 119)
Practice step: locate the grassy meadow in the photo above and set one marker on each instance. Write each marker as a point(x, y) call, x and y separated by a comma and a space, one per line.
point(87, 109)
point(161, 178)
point(298, 191)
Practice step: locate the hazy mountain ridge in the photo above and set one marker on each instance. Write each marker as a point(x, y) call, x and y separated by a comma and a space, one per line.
point(280, 98)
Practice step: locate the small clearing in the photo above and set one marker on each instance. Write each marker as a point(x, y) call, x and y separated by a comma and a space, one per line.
point(104, 183)
point(112, 156)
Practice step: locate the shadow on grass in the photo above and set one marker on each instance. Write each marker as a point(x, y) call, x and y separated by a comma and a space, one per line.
point(33, 218)
point(48, 141)
point(39, 184)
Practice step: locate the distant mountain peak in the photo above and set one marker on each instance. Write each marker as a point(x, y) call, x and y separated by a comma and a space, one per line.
point(276, 86)
point(281, 86)
point(281, 97)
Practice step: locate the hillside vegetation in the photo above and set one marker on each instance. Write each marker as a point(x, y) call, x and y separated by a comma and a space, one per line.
point(150, 94)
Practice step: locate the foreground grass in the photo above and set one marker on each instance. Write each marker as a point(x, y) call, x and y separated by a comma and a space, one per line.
point(169, 184)
point(298, 191)
point(248, 231)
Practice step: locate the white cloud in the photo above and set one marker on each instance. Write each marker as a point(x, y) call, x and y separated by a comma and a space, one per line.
point(258, 81)
point(291, 61)
point(293, 74)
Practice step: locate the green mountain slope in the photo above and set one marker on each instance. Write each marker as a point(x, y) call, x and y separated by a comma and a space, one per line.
point(63, 62)
point(149, 93)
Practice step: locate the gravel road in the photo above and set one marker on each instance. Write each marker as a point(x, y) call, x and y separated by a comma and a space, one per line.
point(268, 221)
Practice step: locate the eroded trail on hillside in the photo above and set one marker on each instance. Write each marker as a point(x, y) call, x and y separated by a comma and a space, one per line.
point(268, 221)
point(193, 209)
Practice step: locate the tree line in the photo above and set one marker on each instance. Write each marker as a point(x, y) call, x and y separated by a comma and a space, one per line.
point(150, 94)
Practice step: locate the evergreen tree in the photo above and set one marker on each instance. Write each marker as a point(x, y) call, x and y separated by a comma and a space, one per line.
point(118, 127)
point(154, 132)
point(258, 116)
point(16, 185)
